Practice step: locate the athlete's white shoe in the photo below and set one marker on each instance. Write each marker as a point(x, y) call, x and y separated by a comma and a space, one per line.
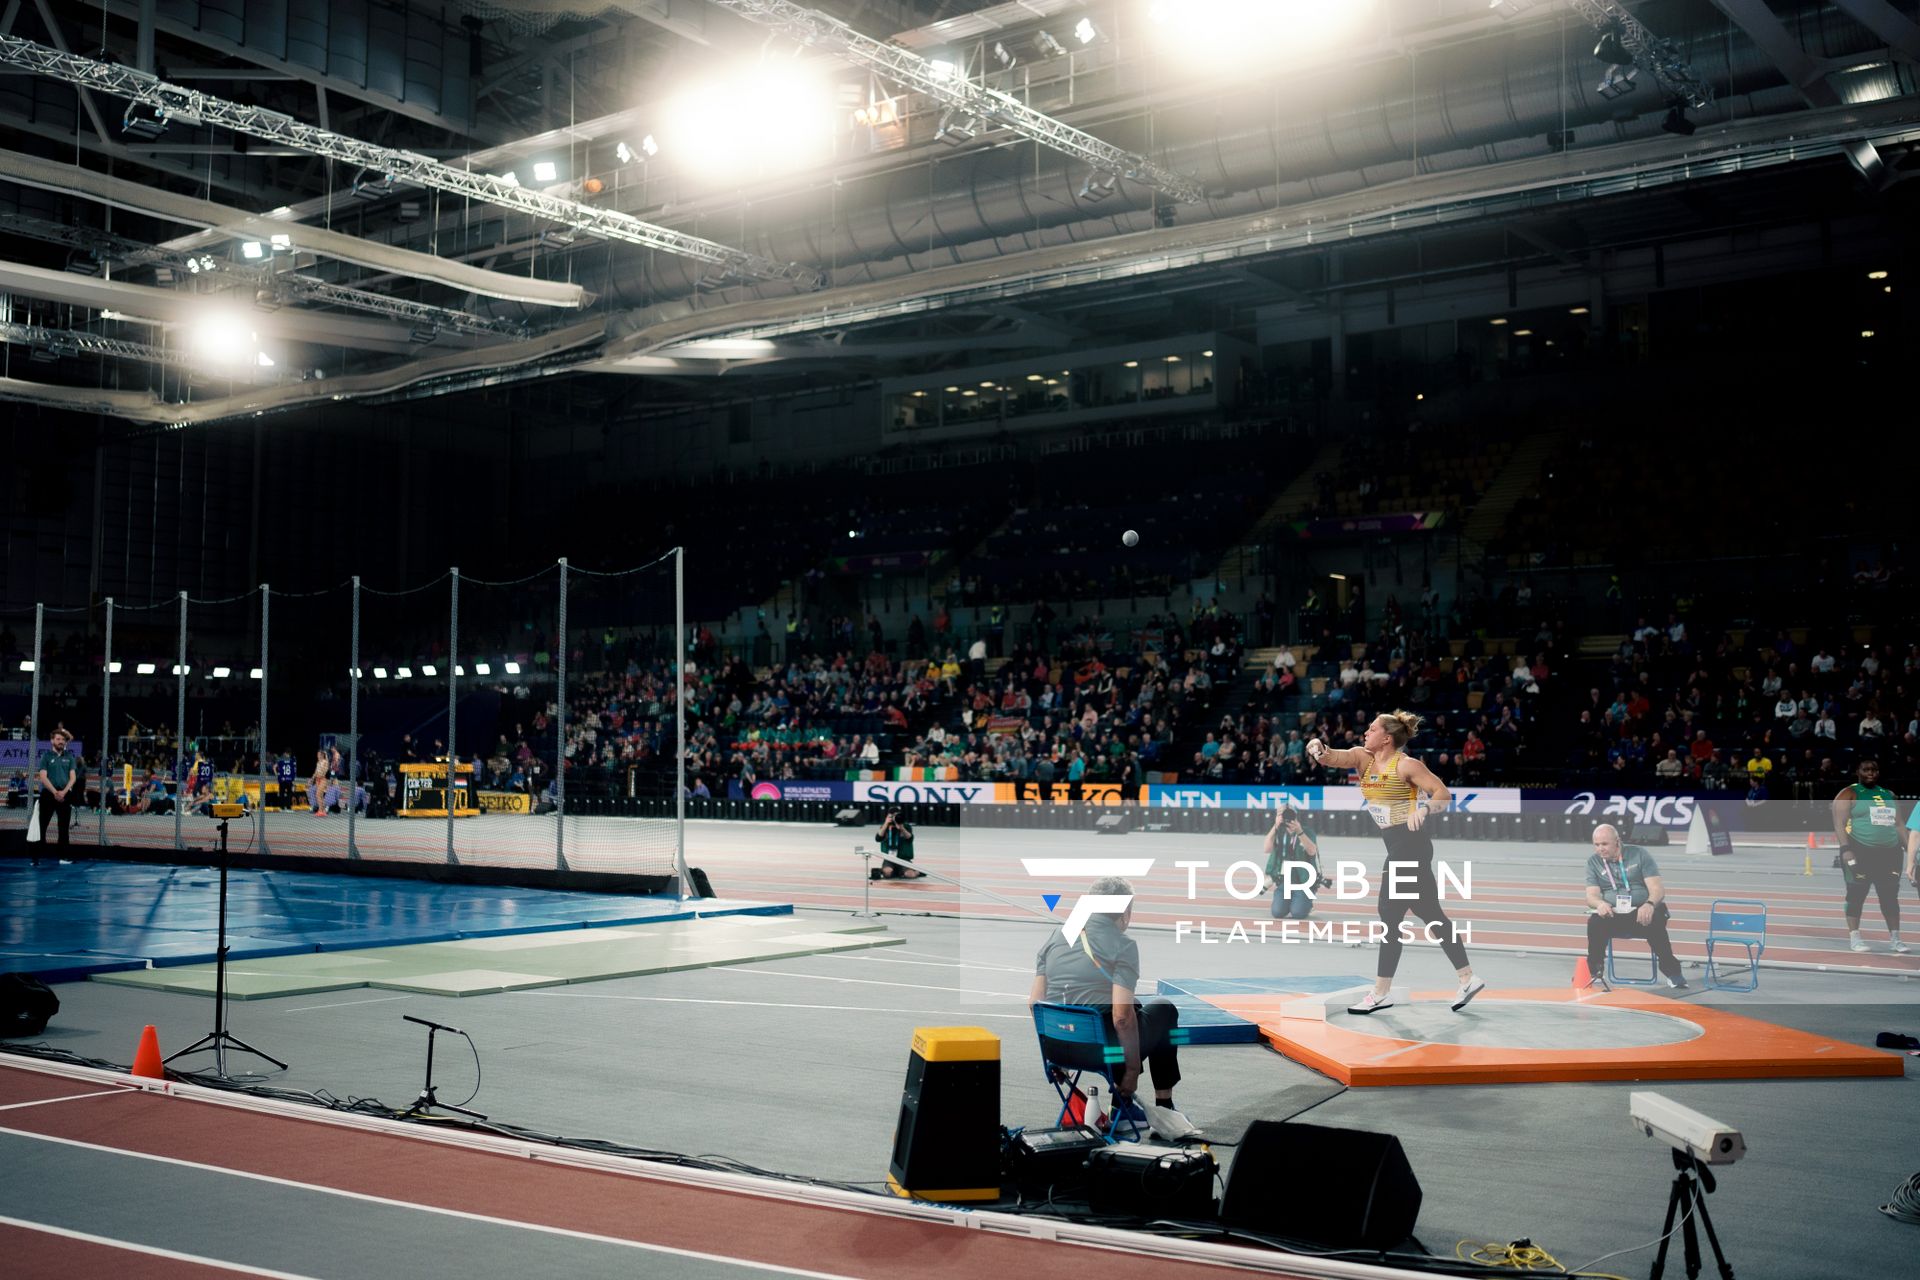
point(1468, 990)
point(1372, 1002)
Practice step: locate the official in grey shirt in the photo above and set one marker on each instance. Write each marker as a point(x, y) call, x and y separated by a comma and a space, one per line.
point(1101, 969)
point(1626, 899)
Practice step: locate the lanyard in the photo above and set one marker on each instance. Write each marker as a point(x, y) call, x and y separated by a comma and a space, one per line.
point(1086, 945)
point(1606, 867)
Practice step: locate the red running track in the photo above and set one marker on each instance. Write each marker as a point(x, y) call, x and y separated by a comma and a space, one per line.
point(755, 1225)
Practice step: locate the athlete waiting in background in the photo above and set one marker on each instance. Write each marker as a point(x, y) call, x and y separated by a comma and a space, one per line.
point(1400, 792)
point(1866, 818)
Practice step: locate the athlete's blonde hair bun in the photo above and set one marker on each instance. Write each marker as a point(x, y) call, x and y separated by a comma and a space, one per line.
point(1401, 726)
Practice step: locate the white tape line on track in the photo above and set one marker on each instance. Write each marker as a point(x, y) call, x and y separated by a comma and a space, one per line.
point(151, 1251)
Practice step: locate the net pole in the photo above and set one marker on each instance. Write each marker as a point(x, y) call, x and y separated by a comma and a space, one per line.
point(680, 723)
point(353, 718)
point(260, 818)
point(106, 725)
point(560, 742)
point(34, 730)
point(180, 731)
point(453, 695)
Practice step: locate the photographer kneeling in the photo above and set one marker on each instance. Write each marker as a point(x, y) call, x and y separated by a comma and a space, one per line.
point(896, 841)
point(1291, 845)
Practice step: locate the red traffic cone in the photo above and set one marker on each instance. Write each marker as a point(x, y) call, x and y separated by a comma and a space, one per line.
point(1582, 975)
point(146, 1059)
point(1812, 841)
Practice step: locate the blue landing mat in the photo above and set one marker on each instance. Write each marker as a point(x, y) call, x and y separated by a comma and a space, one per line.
point(66, 922)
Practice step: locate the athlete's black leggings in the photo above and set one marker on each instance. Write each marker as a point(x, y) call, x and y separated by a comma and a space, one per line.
point(1876, 869)
point(1413, 849)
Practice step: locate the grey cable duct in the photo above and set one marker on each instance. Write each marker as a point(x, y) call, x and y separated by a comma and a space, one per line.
point(68, 179)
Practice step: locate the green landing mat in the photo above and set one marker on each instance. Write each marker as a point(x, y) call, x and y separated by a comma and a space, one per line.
point(521, 962)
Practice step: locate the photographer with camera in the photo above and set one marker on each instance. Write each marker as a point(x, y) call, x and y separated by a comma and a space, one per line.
point(1290, 843)
point(895, 838)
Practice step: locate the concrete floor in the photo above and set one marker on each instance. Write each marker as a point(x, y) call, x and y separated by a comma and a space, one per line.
point(795, 1065)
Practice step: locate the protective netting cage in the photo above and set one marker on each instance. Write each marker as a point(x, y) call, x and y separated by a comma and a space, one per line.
point(532, 721)
point(620, 719)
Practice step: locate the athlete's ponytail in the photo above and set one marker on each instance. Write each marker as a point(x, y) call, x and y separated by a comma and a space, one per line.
point(1401, 726)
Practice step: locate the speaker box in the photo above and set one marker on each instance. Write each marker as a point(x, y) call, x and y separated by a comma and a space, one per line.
point(26, 1004)
point(1343, 1188)
point(946, 1143)
point(1647, 833)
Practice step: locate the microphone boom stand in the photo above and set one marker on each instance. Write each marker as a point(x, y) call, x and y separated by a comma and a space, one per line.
point(220, 1039)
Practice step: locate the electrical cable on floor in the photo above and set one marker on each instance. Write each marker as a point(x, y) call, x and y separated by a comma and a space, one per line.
point(1904, 1204)
point(1588, 1268)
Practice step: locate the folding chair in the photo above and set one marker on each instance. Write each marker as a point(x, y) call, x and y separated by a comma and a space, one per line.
point(1074, 1039)
point(1613, 974)
point(1737, 922)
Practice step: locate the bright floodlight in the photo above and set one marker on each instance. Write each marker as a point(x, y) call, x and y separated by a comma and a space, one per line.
point(623, 153)
point(281, 244)
point(145, 669)
point(1215, 34)
point(26, 664)
point(510, 178)
point(114, 668)
point(459, 669)
point(429, 672)
point(405, 673)
point(513, 668)
point(221, 673)
point(252, 249)
point(648, 145)
point(179, 670)
point(941, 69)
point(255, 673)
point(223, 338)
point(481, 668)
point(1086, 33)
point(379, 673)
point(264, 360)
point(545, 171)
point(776, 115)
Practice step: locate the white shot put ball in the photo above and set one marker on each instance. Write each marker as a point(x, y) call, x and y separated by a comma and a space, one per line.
point(1131, 538)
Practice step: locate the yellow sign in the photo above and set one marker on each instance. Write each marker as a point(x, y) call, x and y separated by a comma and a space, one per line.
point(1098, 793)
point(504, 801)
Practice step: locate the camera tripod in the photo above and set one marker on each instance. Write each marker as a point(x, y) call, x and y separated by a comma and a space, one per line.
point(1689, 1194)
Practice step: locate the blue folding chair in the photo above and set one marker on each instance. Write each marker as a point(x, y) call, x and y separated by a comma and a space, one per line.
point(1613, 974)
point(1737, 922)
point(1075, 1039)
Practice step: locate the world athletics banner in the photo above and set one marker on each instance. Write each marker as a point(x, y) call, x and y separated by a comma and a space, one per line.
point(19, 754)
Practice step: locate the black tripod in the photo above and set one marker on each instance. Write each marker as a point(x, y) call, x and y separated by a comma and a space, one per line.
point(220, 1038)
point(428, 1099)
point(1687, 1193)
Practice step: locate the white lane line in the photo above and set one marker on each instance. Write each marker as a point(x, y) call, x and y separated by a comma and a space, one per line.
point(765, 1004)
point(865, 982)
point(152, 1251)
point(928, 964)
point(461, 1214)
point(343, 1004)
point(72, 1097)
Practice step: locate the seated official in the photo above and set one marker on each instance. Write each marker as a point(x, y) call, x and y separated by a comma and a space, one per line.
point(1626, 899)
point(1291, 845)
point(1101, 970)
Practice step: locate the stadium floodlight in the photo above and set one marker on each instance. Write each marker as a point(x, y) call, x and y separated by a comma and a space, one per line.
point(459, 669)
point(365, 188)
point(145, 669)
point(513, 668)
point(354, 672)
point(379, 673)
point(510, 178)
point(405, 673)
point(255, 673)
point(1618, 82)
point(950, 87)
point(649, 147)
point(623, 153)
point(482, 669)
point(26, 664)
point(221, 673)
point(262, 359)
point(1001, 55)
point(113, 668)
point(1085, 32)
point(773, 115)
point(252, 250)
point(545, 171)
point(179, 670)
point(1611, 48)
point(143, 121)
point(281, 243)
point(224, 338)
point(428, 672)
point(1048, 46)
point(1099, 185)
point(956, 127)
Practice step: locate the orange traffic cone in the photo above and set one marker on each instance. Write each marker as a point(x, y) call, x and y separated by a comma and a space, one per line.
point(1813, 841)
point(146, 1059)
point(1582, 975)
